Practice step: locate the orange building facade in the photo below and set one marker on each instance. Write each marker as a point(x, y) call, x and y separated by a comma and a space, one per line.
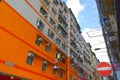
point(38, 41)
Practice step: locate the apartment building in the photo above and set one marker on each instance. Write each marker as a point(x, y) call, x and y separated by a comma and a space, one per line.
point(41, 40)
point(109, 19)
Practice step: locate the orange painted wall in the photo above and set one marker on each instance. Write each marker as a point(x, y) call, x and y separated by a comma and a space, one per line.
point(16, 40)
point(23, 30)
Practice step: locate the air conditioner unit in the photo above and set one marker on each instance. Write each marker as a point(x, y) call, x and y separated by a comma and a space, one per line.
point(113, 38)
point(55, 67)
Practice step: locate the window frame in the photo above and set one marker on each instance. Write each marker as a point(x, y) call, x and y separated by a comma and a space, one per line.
point(30, 58)
point(55, 2)
point(61, 73)
point(40, 25)
point(51, 34)
point(39, 40)
point(47, 47)
point(54, 12)
point(44, 65)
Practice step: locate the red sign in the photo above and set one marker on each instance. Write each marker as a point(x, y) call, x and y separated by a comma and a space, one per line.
point(104, 69)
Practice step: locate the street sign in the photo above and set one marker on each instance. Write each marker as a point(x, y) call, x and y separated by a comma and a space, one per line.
point(104, 69)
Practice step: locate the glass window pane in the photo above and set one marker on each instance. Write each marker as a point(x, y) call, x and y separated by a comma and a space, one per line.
point(48, 45)
point(40, 25)
point(30, 58)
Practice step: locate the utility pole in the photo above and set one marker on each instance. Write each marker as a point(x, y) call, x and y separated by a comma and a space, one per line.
point(68, 47)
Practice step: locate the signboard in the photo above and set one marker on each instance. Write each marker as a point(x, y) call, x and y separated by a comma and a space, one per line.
point(116, 66)
point(104, 69)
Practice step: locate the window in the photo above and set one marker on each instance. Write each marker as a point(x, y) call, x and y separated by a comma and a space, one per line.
point(63, 34)
point(74, 78)
point(52, 22)
point(47, 3)
point(71, 54)
point(30, 58)
point(85, 58)
point(44, 65)
point(63, 59)
point(71, 63)
point(58, 55)
point(80, 71)
point(51, 34)
point(75, 60)
point(60, 12)
point(64, 18)
point(80, 60)
point(55, 2)
point(63, 46)
point(60, 19)
point(54, 71)
point(58, 27)
point(55, 27)
point(39, 40)
point(73, 44)
point(71, 19)
point(71, 26)
point(71, 58)
point(75, 67)
point(70, 77)
point(40, 24)
point(65, 9)
point(55, 68)
point(48, 45)
point(58, 41)
point(61, 73)
point(54, 12)
point(43, 12)
point(61, 4)
point(65, 25)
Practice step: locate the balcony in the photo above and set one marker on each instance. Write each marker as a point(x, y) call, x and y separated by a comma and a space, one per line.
point(60, 57)
point(54, 12)
point(43, 12)
point(52, 22)
point(51, 34)
point(72, 37)
point(73, 46)
point(58, 41)
point(64, 46)
point(62, 32)
point(47, 3)
point(80, 60)
point(62, 22)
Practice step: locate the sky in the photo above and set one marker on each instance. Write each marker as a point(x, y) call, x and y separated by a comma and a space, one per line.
point(87, 16)
point(85, 12)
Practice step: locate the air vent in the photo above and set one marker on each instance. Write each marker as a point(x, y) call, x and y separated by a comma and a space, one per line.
point(112, 38)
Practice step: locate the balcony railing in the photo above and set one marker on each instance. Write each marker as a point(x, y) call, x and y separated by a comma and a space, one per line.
point(47, 3)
